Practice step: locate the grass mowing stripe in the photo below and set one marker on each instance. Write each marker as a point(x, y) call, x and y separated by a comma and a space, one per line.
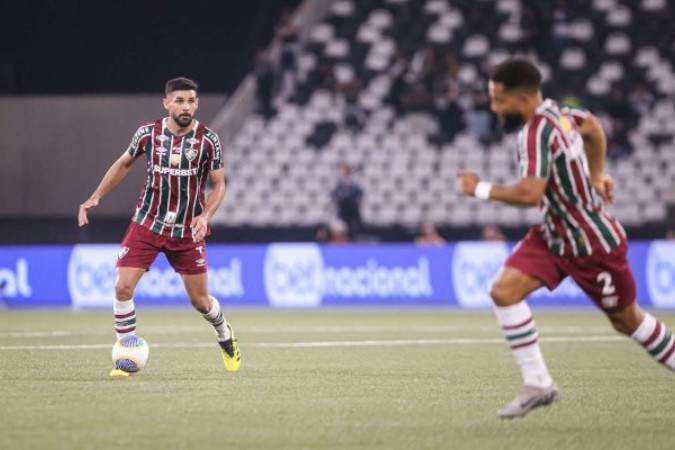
point(324, 344)
point(390, 397)
point(300, 329)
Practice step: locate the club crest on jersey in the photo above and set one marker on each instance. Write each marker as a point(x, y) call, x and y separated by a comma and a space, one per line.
point(190, 153)
point(123, 252)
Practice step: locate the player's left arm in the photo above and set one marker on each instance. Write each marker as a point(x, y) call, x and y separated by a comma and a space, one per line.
point(527, 191)
point(595, 147)
point(200, 224)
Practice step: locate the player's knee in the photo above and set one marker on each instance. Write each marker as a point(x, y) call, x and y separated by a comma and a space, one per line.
point(123, 290)
point(627, 320)
point(201, 303)
point(620, 325)
point(502, 294)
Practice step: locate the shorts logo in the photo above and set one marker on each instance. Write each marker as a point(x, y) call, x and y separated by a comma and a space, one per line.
point(123, 252)
point(200, 249)
point(610, 302)
point(200, 262)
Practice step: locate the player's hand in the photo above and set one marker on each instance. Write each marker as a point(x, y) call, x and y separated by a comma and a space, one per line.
point(82, 218)
point(199, 226)
point(605, 187)
point(466, 182)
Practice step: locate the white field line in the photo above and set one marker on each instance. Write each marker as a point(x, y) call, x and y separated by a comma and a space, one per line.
point(328, 344)
point(312, 329)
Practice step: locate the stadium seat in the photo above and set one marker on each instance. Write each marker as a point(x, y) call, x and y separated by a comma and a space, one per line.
point(278, 174)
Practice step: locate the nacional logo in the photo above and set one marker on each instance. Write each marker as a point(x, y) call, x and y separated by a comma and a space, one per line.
point(293, 275)
point(474, 266)
point(661, 273)
point(123, 252)
point(298, 275)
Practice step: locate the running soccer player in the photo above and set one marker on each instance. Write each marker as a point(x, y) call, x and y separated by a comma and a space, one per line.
point(172, 215)
point(561, 155)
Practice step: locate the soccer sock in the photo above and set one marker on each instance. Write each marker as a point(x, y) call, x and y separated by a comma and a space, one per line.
point(216, 318)
point(657, 339)
point(521, 334)
point(125, 318)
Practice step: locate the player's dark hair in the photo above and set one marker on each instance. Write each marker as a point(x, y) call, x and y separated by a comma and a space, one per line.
point(180, 84)
point(517, 73)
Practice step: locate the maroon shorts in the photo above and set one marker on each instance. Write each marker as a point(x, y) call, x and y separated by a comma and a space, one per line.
point(605, 277)
point(141, 246)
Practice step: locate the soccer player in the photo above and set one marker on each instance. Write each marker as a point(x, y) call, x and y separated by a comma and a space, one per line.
point(561, 156)
point(172, 215)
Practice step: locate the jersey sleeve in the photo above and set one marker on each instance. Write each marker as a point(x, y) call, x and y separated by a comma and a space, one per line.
point(578, 114)
point(137, 146)
point(216, 158)
point(534, 150)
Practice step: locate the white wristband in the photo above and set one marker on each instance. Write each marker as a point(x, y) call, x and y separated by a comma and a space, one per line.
point(483, 189)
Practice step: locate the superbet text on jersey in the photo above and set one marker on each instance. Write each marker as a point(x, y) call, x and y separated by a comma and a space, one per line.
point(177, 170)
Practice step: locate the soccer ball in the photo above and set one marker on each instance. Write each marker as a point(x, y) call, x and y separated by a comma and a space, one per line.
point(130, 353)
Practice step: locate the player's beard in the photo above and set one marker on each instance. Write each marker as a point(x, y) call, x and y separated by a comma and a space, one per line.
point(183, 120)
point(511, 122)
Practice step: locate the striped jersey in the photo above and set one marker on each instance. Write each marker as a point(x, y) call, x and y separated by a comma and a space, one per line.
point(550, 146)
point(177, 170)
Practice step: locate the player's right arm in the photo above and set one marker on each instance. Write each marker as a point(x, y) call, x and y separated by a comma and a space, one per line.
point(534, 156)
point(117, 171)
point(526, 191)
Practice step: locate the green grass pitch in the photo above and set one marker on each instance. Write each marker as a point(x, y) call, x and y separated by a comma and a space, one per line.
point(338, 379)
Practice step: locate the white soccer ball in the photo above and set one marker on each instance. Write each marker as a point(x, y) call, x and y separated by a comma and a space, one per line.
point(130, 353)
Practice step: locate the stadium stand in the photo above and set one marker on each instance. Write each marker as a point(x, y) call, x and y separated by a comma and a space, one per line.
point(396, 88)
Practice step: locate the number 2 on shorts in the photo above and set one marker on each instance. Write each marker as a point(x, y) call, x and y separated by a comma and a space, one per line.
point(606, 279)
point(609, 300)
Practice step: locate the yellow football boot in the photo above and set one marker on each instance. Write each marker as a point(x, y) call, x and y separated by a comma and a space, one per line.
point(230, 351)
point(118, 373)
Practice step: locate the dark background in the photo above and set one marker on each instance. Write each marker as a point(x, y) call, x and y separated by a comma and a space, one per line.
point(94, 47)
point(80, 46)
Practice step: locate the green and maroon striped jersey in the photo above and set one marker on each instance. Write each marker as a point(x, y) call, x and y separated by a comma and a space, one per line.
point(177, 171)
point(550, 146)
